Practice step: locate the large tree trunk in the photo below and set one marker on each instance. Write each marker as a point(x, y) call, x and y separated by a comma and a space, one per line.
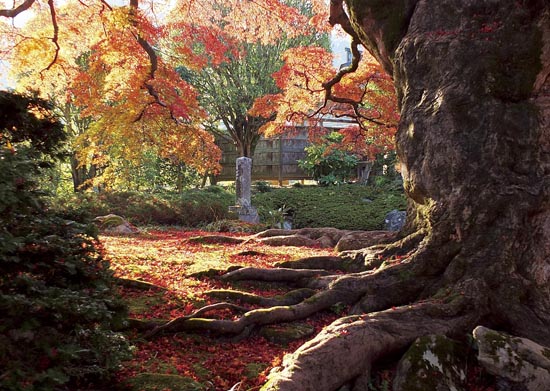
point(473, 80)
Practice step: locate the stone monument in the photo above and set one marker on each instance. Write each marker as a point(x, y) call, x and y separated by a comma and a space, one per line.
point(243, 181)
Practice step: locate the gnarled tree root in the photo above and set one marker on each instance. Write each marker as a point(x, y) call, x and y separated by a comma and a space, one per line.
point(346, 349)
point(290, 298)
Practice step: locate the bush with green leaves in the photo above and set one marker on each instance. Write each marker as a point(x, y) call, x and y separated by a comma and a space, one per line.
point(328, 162)
point(57, 305)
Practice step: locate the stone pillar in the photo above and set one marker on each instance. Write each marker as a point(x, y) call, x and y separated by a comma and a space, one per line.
point(243, 185)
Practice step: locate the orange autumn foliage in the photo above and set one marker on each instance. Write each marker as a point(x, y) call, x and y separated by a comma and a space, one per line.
point(117, 63)
point(366, 96)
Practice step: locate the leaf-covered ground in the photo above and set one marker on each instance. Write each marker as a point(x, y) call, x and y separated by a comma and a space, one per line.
point(166, 259)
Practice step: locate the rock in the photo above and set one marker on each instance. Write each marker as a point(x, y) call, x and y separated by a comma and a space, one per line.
point(361, 239)
point(283, 334)
point(395, 220)
point(517, 360)
point(432, 363)
point(115, 224)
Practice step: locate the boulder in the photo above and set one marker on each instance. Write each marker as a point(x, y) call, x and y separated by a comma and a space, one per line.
point(395, 220)
point(518, 361)
point(432, 363)
point(115, 224)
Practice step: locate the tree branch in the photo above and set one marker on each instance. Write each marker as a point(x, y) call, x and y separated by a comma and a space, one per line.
point(55, 38)
point(153, 60)
point(11, 13)
point(338, 16)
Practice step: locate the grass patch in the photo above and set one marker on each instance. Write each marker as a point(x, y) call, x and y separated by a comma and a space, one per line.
point(353, 207)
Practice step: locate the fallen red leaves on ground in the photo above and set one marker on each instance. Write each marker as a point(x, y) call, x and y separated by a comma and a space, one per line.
point(165, 258)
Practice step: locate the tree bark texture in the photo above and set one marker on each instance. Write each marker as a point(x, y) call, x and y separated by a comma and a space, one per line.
point(474, 139)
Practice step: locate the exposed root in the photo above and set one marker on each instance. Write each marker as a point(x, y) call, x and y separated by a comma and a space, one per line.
point(320, 262)
point(258, 317)
point(285, 275)
point(216, 239)
point(360, 290)
point(290, 298)
point(137, 284)
point(194, 316)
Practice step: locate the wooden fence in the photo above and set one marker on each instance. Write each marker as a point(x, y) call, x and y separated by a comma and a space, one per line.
point(275, 159)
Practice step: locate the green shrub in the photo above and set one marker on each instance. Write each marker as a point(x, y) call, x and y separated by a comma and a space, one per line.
point(191, 208)
point(57, 306)
point(327, 162)
point(354, 207)
point(262, 186)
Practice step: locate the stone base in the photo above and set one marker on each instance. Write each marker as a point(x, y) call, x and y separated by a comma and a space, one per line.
point(248, 214)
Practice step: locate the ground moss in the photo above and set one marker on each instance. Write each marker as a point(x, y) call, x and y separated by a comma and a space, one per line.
point(427, 375)
point(141, 304)
point(495, 341)
point(352, 207)
point(254, 369)
point(157, 381)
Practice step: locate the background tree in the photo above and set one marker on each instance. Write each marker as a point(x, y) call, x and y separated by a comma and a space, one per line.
point(229, 88)
point(28, 66)
point(128, 85)
point(124, 114)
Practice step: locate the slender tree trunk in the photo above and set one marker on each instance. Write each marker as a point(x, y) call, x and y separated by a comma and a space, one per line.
point(80, 174)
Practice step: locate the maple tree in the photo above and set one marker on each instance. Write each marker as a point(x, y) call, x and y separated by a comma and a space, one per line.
point(316, 94)
point(232, 77)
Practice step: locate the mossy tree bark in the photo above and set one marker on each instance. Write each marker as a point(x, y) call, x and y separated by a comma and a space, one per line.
point(473, 80)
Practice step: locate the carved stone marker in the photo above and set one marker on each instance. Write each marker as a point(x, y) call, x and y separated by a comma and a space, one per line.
point(243, 181)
